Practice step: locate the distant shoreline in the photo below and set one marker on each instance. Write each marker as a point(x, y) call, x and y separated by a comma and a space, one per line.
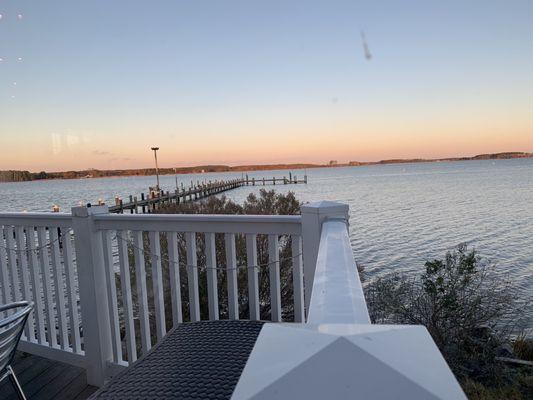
point(25, 176)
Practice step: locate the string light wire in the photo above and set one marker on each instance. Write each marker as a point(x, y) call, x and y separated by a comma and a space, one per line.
point(161, 258)
point(157, 256)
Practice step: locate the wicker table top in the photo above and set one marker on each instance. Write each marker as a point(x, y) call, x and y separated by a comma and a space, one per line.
point(200, 360)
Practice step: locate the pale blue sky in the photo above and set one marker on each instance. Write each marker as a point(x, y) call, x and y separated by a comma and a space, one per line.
point(257, 81)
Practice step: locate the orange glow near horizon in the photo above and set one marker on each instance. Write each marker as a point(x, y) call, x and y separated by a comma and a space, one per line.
point(269, 144)
point(230, 140)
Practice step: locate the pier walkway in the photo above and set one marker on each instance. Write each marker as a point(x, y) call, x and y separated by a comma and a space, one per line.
point(200, 190)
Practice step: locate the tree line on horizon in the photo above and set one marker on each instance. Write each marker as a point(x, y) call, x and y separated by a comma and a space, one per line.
point(22, 176)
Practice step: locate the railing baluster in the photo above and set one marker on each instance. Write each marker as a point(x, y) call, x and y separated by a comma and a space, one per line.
point(72, 297)
point(273, 268)
point(12, 260)
point(36, 285)
point(175, 285)
point(45, 272)
point(157, 282)
point(231, 265)
point(140, 278)
point(211, 265)
point(253, 276)
point(57, 271)
point(298, 278)
point(26, 294)
point(192, 276)
point(4, 276)
point(112, 295)
point(125, 284)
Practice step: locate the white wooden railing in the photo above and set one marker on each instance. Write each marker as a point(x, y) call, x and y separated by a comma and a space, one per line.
point(38, 263)
point(145, 235)
point(98, 282)
point(338, 296)
point(337, 353)
point(108, 287)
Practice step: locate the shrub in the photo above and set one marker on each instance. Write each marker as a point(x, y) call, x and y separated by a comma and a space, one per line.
point(523, 347)
point(477, 391)
point(468, 309)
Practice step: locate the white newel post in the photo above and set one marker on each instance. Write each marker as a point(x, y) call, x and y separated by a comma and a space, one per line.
point(93, 295)
point(313, 215)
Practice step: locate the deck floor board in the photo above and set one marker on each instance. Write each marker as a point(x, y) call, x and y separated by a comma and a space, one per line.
point(44, 379)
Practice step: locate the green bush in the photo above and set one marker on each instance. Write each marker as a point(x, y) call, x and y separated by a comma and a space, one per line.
point(470, 311)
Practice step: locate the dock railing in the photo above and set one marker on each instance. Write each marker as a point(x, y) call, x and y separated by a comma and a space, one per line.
point(99, 281)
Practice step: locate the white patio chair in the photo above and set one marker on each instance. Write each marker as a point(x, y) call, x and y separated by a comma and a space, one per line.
point(10, 331)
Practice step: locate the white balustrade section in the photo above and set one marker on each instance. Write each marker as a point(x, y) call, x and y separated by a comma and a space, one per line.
point(107, 287)
point(157, 262)
point(37, 264)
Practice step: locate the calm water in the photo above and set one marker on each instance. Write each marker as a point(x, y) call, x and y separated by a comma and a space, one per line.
point(401, 215)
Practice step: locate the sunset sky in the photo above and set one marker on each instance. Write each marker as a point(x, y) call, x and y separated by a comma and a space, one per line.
point(96, 83)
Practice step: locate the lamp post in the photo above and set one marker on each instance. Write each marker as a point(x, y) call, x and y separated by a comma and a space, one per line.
point(156, 166)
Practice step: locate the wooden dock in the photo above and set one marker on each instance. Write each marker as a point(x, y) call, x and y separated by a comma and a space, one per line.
point(152, 201)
